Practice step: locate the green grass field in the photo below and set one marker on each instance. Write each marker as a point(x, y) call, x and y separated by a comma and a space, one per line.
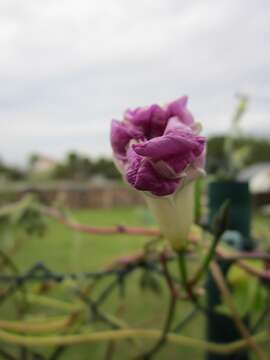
point(65, 250)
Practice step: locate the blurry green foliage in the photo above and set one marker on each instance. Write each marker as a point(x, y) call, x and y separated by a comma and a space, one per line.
point(79, 167)
point(12, 173)
point(254, 150)
point(248, 294)
point(24, 216)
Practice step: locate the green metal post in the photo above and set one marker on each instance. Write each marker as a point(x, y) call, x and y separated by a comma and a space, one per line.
point(221, 328)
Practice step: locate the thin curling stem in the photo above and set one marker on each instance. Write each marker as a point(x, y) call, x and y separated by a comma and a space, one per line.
point(117, 335)
point(182, 267)
point(170, 313)
point(220, 224)
point(184, 276)
point(204, 266)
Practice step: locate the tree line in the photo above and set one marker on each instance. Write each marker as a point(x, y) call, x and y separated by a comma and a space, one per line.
point(80, 167)
point(258, 151)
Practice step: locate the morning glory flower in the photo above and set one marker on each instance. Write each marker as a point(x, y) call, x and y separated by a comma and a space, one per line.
point(159, 151)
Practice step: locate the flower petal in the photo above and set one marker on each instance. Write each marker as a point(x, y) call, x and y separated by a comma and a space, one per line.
point(141, 174)
point(164, 147)
point(179, 108)
point(151, 120)
point(174, 125)
point(121, 134)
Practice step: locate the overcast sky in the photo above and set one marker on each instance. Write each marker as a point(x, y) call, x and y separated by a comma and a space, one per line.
point(68, 67)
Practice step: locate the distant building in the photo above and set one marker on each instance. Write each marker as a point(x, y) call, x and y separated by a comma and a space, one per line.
point(99, 180)
point(43, 164)
point(258, 176)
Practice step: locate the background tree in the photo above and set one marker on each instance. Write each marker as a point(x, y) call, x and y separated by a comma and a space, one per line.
point(11, 173)
point(80, 167)
point(259, 151)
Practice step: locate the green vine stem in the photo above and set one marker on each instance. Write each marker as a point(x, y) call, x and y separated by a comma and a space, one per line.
point(182, 265)
point(204, 266)
point(170, 312)
point(220, 224)
point(116, 335)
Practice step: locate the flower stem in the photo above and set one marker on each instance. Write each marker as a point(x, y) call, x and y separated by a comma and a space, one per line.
point(204, 266)
point(184, 276)
point(76, 339)
point(170, 313)
point(220, 224)
point(163, 338)
point(182, 267)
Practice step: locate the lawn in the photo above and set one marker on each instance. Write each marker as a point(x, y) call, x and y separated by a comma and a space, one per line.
point(64, 250)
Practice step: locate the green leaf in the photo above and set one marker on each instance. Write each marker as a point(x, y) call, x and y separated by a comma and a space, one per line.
point(149, 282)
point(22, 216)
point(240, 156)
point(220, 221)
point(247, 292)
point(237, 275)
point(223, 309)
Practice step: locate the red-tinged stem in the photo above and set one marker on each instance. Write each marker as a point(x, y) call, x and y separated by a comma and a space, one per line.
point(120, 229)
point(263, 274)
point(56, 214)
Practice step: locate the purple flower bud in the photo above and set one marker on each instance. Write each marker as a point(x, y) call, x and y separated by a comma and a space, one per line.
point(158, 149)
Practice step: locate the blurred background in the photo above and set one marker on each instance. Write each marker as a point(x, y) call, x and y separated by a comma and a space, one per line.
point(67, 68)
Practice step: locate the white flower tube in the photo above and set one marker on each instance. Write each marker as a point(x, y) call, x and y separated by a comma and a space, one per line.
point(174, 214)
point(159, 152)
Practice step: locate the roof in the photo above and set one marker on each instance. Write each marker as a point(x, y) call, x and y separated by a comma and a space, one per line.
point(258, 176)
point(249, 172)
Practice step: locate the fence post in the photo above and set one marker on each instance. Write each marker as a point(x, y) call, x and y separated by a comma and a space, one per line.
point(221, 328)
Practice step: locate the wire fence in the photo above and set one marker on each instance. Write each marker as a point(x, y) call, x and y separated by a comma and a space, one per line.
point(82, 318)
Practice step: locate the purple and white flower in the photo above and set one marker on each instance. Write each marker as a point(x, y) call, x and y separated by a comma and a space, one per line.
point(159, 151)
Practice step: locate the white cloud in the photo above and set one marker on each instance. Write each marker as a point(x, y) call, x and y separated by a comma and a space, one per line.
point(42, 125)
point(67, 68)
